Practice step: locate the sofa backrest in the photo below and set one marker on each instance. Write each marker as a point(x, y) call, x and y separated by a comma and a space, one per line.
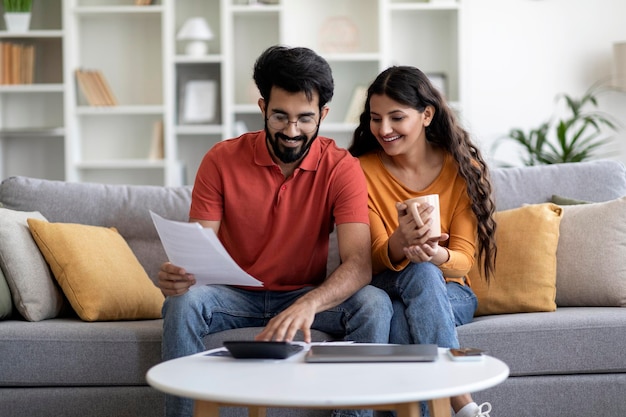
point(595, 181)
point(125, 207)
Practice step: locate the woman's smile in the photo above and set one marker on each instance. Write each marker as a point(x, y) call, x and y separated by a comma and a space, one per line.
point(391, 138)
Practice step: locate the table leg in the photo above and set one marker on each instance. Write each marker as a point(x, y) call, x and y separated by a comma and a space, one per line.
point(439, 407)
point(206, 409)
point(255, 411)
point(408, 409)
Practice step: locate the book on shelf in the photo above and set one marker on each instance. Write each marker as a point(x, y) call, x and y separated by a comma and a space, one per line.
point(104, 88)
point(17, 63)
point(85, 87)
point(143, 2)
point(157, 144)
point(95, 88)
point(357, 104)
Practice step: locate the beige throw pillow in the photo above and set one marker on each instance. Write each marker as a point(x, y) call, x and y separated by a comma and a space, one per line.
point(591, 266)
point(98, 272)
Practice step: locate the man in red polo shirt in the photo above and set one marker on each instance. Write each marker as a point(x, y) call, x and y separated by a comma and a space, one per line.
point(273, 197)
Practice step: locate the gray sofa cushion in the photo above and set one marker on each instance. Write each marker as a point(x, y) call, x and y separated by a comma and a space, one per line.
point(122, 401)
point(589, 181)
point(71, 352)
point(571, 340)
point(125, 207)
point(558, 396)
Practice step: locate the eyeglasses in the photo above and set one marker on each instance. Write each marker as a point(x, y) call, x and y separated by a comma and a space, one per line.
point(279, 121)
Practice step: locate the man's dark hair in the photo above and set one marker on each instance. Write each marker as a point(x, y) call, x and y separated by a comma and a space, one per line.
point(294, 70)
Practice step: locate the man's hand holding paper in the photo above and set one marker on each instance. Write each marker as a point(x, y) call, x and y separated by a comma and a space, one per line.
point(200, 253)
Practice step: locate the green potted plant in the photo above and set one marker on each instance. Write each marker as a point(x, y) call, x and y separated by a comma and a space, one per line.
point(17, 15)
point(573, 135)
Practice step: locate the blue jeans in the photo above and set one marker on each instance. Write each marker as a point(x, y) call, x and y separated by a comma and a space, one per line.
point(187, 319)
point(426, 309)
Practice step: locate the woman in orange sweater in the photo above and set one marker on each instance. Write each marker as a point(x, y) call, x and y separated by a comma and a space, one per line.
point(410, 144)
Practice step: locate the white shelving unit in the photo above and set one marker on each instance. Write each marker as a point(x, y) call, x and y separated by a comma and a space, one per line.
point(129, 44)
point(32, 128)
point(48, 131)
point(191, 140)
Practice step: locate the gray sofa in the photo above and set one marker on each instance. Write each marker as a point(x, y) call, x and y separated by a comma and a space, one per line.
point(569, 362)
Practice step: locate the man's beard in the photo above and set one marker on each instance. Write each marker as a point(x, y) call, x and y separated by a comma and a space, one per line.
point(289, 155)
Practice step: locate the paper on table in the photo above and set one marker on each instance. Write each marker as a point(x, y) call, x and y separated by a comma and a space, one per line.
point(200, 252)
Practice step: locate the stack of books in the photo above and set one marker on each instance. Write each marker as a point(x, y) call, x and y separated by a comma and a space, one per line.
point(95, 88)
point(17, 63)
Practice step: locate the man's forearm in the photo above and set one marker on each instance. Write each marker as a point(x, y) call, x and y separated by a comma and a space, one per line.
point(346, 280)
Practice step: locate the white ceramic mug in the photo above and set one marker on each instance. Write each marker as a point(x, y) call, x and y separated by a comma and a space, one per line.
point(413, 208)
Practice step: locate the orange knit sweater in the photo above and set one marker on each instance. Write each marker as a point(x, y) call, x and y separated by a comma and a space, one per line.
point(457, 218)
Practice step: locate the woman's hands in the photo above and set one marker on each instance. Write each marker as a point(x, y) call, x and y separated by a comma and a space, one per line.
point(428, 252)
point(414, 233)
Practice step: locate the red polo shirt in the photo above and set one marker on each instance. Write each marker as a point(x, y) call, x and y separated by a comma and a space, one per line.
point(277, 229)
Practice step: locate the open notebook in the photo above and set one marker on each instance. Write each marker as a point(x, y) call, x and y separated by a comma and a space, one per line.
point(361, 352)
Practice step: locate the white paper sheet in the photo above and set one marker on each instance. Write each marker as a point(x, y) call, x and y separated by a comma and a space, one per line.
point(200, 252)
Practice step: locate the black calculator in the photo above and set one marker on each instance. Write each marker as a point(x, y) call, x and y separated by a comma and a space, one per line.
point(252, 349)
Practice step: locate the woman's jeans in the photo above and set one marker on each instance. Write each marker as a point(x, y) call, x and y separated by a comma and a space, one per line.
point(426, 309)
point(188, 318)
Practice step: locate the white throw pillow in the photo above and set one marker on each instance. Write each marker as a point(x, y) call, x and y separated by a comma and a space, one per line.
point(34, 291)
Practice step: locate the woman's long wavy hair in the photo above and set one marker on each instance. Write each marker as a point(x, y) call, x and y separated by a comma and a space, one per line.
point(410, 86)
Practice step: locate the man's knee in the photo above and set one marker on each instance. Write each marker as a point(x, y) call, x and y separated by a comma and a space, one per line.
point(374, 300)
point(194, 300)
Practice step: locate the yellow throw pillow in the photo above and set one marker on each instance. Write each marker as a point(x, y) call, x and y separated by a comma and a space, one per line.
point(525, 276)
point(97, 271)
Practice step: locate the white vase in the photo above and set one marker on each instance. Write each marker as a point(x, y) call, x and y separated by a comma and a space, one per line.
point(17, 21)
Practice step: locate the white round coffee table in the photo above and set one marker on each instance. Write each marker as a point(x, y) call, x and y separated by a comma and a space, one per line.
point(214, 381)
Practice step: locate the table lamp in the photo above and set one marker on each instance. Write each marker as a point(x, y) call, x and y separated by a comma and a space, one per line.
point(196, 30)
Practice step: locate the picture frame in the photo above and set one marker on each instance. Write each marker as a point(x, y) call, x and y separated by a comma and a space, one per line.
point(440, 81)
point(197, 102)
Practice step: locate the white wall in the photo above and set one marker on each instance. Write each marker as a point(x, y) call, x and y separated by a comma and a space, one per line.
point(519, 54)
